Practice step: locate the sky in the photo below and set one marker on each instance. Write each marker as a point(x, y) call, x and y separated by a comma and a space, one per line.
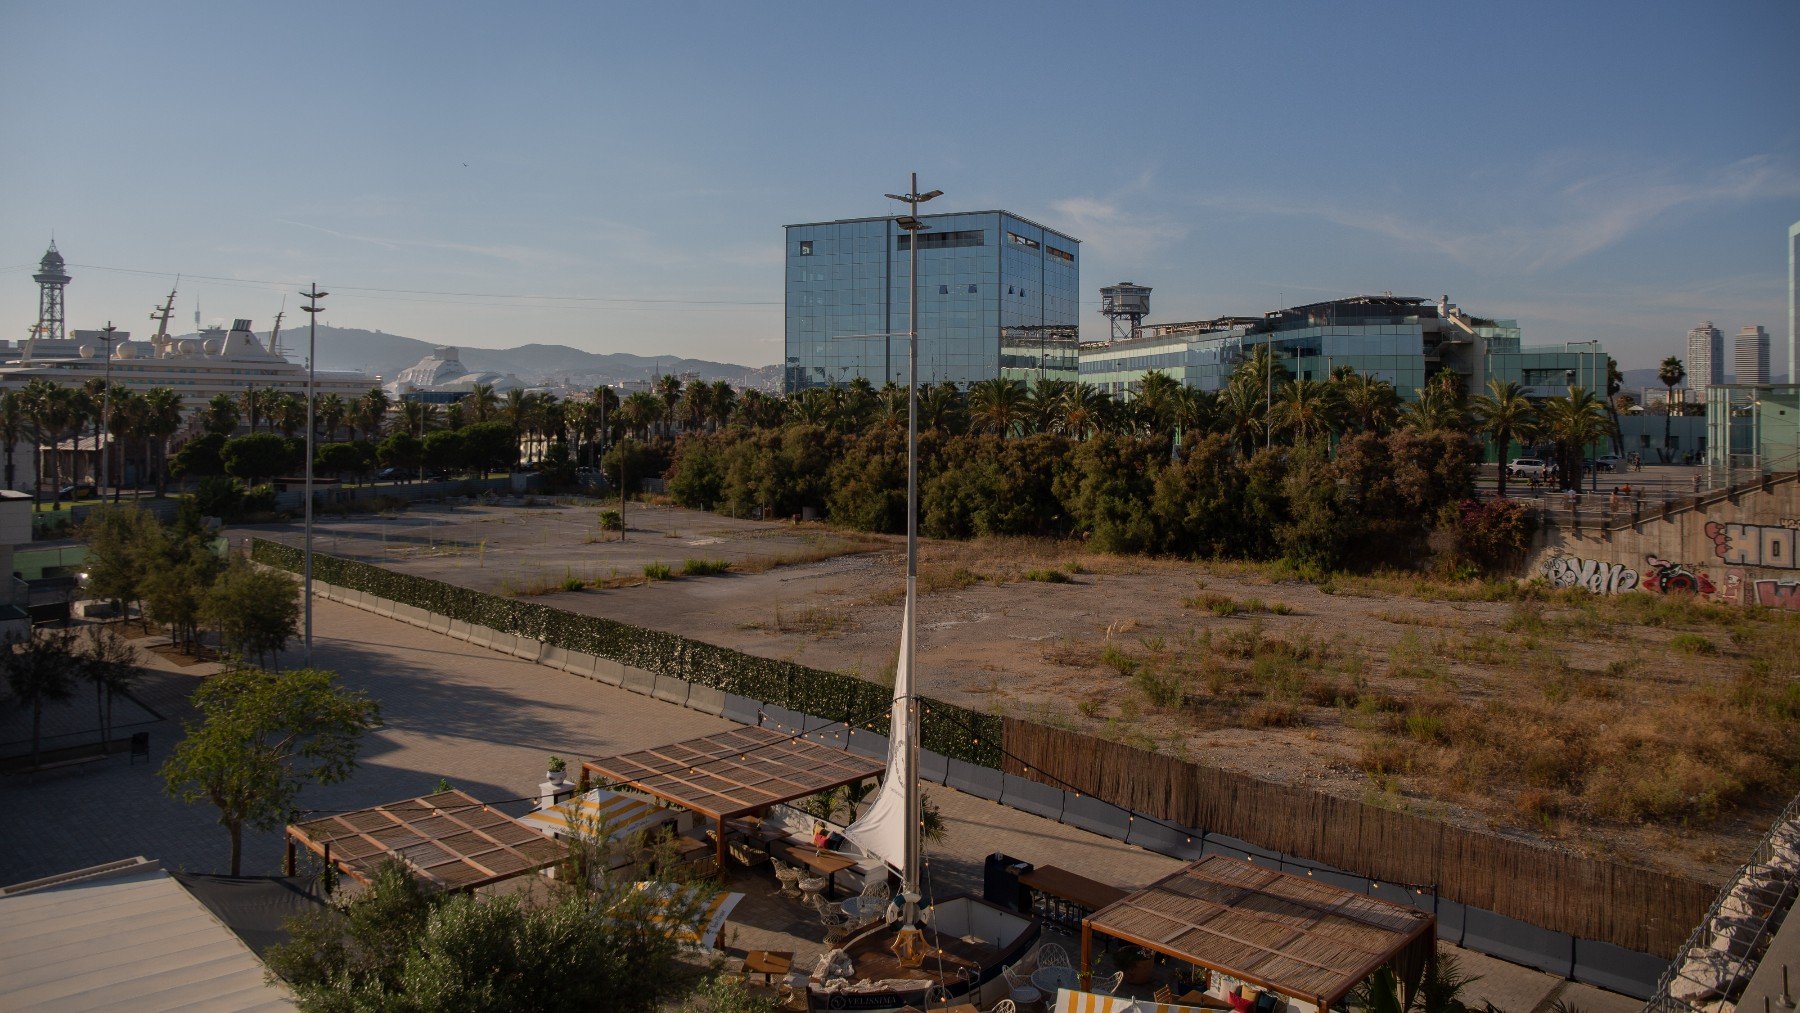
point(615, 177)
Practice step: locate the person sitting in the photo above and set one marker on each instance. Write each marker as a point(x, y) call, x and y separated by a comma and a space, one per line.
point(826, 840)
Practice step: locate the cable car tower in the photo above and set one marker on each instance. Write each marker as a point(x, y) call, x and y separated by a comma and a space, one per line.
point(1125, 305)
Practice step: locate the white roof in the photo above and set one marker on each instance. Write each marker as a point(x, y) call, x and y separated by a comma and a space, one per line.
point(123, 936)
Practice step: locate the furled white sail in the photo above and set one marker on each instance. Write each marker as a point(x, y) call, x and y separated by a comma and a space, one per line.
point(881, 832)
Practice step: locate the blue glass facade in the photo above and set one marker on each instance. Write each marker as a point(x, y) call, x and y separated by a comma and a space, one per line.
point(998, 296)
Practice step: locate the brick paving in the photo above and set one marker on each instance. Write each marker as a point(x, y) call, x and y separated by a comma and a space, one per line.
point(487, 722)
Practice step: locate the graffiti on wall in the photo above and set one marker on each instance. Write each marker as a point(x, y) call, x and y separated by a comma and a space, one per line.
point(1598, 577)
point(1779, 594)
point(1660, 575)
point(1768, 545)
point(1666, 576)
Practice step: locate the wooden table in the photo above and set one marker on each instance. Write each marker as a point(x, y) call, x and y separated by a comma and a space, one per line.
point(767, 963)
point(1087, 894)
point(825, 863)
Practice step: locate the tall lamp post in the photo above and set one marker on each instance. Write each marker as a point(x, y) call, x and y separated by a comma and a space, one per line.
point(105, 411)
point(909, 888)
point(312, 309)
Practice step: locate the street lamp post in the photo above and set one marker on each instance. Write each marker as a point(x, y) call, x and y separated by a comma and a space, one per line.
point(312, 359)
point(105, 412)
point(910, 885)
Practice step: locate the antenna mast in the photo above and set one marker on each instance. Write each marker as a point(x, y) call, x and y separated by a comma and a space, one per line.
point(275, 334)
point(159, 343)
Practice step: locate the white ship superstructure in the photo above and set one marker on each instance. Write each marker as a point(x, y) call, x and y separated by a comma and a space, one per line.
point(217, 361)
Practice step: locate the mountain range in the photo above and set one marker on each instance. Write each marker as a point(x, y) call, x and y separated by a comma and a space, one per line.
point(383, 354)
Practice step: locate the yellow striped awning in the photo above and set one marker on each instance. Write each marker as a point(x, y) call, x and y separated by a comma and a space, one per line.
point(618, 814)
point(1070, 1001)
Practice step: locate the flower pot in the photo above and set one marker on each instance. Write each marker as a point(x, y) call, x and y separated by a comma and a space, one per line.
point(1140, 971)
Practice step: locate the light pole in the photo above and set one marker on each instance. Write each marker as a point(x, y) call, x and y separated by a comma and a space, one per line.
point(105, 410)
point(312, 309)
point(909, 887)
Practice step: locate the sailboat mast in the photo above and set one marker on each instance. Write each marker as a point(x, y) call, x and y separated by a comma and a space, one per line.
point(910, 877)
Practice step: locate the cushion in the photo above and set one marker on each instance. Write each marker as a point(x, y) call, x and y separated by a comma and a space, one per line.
point(1239, 1004)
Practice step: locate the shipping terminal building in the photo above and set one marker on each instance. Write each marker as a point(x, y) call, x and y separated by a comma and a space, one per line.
point(999, 295)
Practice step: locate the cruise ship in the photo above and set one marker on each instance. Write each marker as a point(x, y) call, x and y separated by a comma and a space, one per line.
point(216, 361)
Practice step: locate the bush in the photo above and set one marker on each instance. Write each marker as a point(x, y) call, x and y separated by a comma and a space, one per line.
point(657, 571)
point(611, 520)
point(219, 497)
point(704, 567)
point(1047, 576)
point(1491, 535)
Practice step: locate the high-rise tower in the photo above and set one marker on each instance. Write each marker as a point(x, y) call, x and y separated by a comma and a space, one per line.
point(50, 278)
point(1793, 349)
point(1750, 359)
point(1705, 359)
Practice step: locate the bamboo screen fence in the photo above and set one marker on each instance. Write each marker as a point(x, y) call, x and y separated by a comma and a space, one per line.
point(1630, 906)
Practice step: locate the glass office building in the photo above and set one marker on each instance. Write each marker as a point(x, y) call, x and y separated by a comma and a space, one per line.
point(998, 296)
point(1405, 341)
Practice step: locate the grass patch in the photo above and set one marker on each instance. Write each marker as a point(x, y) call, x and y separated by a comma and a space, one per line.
point(1048, 576)
point(704, 567)
point(657, 571)
point(1693, 643)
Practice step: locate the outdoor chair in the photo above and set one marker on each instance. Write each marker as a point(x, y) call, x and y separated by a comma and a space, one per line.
point(1053, 955)
point(1024, 993)
point(788, 876)
point(1163, 993)
point(837, 923)
point(1108, 984)
point(814, 886)
point(1005, 1006)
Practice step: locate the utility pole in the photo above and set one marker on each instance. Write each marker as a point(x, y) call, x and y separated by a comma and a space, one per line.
point(313, 309)
point(105, 411)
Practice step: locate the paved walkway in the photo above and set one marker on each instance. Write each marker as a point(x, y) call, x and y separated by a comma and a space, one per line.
point(487, 722)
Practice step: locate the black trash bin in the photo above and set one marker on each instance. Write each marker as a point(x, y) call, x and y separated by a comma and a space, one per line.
point(1000, 881)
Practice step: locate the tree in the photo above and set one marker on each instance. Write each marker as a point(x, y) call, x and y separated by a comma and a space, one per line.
point(109, 662)
point(1669, 374)
point(1503, 412)
point(40, 670)
point(162, 420)
point(182, 569)
point(1307, 409)
point(12, 427)
point(401, 450)
point(200, 457)
point(996, 405)
point(220, 416)
point(264, 736)
point(490, 445)
point(255, 610)
point(1573, 423)
point(120, 544)
point(328, 413)
point(446, 450)
point(255, 458)
point(340, 459)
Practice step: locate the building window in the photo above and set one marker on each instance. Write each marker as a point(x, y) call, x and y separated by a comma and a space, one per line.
point(1019, 240)
point(942, 240)
point(1059, 254)
point(943, 290)
point(971, 290)
point(806, 247)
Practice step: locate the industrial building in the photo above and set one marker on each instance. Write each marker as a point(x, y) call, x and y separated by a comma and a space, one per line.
point(998, 296)
point(1404, 340)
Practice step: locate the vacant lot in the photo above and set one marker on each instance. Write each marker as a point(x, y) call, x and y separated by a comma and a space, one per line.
point(1658, 728)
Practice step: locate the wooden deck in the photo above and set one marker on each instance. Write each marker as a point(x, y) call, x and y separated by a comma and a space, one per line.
point(950, 958)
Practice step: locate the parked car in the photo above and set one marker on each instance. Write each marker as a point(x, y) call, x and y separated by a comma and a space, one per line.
point(1529, 467)
point(1610, 462)
point(76, 491)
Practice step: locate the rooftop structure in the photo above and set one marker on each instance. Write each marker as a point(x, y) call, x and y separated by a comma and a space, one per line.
point(447, 839)
point(441, 377)
point(1404, 340)
point(51, 278)
point(125, 935)
point(998, 295)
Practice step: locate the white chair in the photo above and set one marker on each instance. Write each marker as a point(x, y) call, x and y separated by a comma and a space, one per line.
point(1053, 955)
point(837, 923)
point(813, 886)
point(1109, 984)
point(1024, 993)
point(1005, 1006)
point(788, 876)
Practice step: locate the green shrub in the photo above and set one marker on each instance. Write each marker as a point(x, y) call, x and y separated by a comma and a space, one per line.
point(611, 521)
point(657, 571)
point(1047, 576)
point(1692, 643)
point(703, 567)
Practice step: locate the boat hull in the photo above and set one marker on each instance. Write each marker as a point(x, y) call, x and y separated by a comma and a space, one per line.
point(1011, 936)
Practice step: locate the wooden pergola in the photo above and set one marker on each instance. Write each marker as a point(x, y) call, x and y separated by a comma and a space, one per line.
point(736, 773)
point(448, 839)
point(1289, 934)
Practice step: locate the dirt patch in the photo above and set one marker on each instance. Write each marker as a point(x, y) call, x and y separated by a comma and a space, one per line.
point(1639, 726)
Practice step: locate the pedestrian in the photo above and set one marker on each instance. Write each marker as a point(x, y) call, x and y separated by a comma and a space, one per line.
point(1612, 501)
point(1572, 496)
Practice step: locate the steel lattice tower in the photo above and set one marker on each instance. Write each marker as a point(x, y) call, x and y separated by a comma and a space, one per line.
point(51, 278)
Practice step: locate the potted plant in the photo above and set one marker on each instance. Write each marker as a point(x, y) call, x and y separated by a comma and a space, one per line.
point(553, 771)
point(1136, 964)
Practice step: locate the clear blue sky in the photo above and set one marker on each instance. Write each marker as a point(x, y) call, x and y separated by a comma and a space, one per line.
point(1618, 171)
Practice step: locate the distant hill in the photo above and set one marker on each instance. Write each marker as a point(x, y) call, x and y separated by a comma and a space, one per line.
point(387, 354)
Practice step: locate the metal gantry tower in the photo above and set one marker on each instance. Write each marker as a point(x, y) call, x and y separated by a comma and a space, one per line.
point(51, 278)
point(1125, 306)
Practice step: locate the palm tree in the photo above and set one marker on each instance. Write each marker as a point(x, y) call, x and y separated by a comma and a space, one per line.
point(220, 416)
point(329, 414)
point(1669, 374)
point(723, 400)
point(57, 413)
point(1573, 423)
point(1081, 410)
point(1241, 414)
point(125, 419)
point(1438, 407)
point(668, 391)
point(1305, 408)
point(253, 401)
point(1503, 412)
point(1370, 404)
point(483, 403)
point(1615, 382)
point(941, 408)
point(412, 417)
point(516, 409)
point(1156, 402)
point(288, 413)
point(640, 411)
point(372, 409)
point(996, 404)
point(32, 398)
point(162, 420)
point(696, 405)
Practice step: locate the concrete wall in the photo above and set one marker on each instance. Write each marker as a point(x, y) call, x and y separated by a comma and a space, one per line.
point(1736, 546)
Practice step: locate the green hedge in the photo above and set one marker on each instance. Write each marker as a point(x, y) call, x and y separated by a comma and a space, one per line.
point(948, 729)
